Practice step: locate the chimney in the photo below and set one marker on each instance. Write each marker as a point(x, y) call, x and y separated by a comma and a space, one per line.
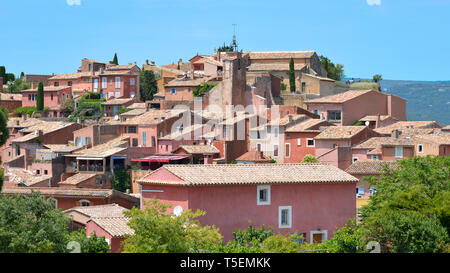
point(377, 123)
point(17, 122)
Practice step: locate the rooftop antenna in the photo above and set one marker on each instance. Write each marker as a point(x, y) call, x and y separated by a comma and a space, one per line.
point(234, 43)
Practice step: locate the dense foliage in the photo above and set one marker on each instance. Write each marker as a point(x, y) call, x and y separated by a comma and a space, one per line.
point(40, 97)
point(147, 84)
point(88, 107)
point(198, 92)
point(291, 75)
point(309, 159)
point(377, 78)
point(121, 180)
point(225, 48)
point(7, 77)
point(17, 86)
point(157, 231)
point(2, 178)
point(92, 244)
point(4, 132)
point(334, 71)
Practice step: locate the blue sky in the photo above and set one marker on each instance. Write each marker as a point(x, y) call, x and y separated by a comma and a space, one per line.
point(401, 39)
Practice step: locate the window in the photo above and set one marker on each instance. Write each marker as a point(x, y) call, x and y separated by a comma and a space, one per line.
point(117, 94)
point(399, 151)
point(144, 138)
point(117, 82)
point(284, 216)
point(288, 150)
point(56, 84)
point(104, 82)
point(173, 90)
point(360, 190)
point(420, 148)
point(288, 136)
point(275, 150)
point(375, 157)
point(354, 159)
point(132, 129)
point(115, 109)
point(132, 81)
point(317, 112)
point(275, 131)
point(70, 83)
point(303, 87)
point(299, 142)
point(135, 142)
point(310, 142)
point(132, 94)
point(258, 147)
point(334, 116)
point(85, 203)
point(90, 67)
point(45, 172)
point(111, 94)
point(153, 141)
point(51, 96)
point(38, 171)
point(263, 195)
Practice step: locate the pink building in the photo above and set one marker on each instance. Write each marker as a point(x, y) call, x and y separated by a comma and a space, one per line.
point(311, 199)
point(348, 107)
point(54, 97)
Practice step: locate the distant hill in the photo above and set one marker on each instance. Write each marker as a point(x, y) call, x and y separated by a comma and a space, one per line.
point(425, 100)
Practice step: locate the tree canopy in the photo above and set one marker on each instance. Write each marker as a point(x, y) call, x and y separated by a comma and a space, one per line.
point(309, 159)
point(377, 78)
point(3, 125)
point(334, 71)
point(147, 84)
point(225, 48)
point(40, 97)
point(17, 86)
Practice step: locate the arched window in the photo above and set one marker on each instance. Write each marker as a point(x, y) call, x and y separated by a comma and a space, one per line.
point(85, 203)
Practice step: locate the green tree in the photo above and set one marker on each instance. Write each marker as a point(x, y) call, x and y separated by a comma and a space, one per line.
point(348, 239)
point(121, 180)
point(157, 231)
point(147, 85)
point(17, 86)
point(410, 211)
point(309, 159)
point(377, 78)
point(292, 75)
point(2, 177)
point(92, 244)
point(115, 60)
point(3, 74)
point(4, 132)
point(334, 71)
point(225, 48)
point(67, 107)
point(31, 224)
point(22, 75)
point(40, 97)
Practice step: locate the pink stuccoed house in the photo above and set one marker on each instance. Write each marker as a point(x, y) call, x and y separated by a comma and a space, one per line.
point(310, 199)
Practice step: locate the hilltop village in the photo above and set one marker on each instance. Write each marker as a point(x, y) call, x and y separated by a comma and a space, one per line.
point(260, 136)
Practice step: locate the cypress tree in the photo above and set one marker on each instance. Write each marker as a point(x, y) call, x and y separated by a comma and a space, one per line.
point(115, 60)
point(291, 75)
point(40, 97)
point(22, 75)
point(3, 74)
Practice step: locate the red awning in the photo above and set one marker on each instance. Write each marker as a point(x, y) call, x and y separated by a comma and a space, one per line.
point(160, 158)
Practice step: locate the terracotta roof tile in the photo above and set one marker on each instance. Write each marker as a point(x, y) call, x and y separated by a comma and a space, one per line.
point(254, 156)
point(274, 67)
point(340, 132)
point(370, 167)
point(408, 124)
point(77, 178)
point(340, 98)
point(199, 149)
point(115, 226)
point(281, 54)
point(253, 174)
point(100, 211)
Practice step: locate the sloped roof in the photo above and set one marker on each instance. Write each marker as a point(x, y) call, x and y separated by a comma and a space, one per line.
point(307, 125)
point(68, 76)
point(45, 126)
point(252, 174)
point(103, 150)
point(47, 89)
point(117, 101)
point(77, 178)
point(25, 177)
point(441, 139)
point(100, 211)
point(137, 105)
point(199, 149)
point(340, 98)
point(115, 226)
point(188, 81)
point(370, 167)
point(9, 96)
point(340, 132)
point(274, 67)
point(152, 117)
point(253, 156)
point(377, 142)
point(281, 54)
point(408, 124)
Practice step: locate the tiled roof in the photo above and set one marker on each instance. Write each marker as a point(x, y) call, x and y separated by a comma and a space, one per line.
point(117, 101)
point(253, 174)
point(168, 69)
point(12, 122)
point(307, 125)
point(62, 148)
point(45, 126)
point(100, 211)
point(61, 191)
point(137, 105)
point(340, 132)
point(134, 112)
point(152, 117)
point(319, 78)
point(25, 177)
point(376, 142)
point(370, 167)
point(253, 156)
point(115, 226)
point(281, 54)
point(199, 149)
point(340, 98)
point(441, 139)
point(77, 178)
point(103, 150)
point(408, 124)
point(69, 76)
point(374, 118)
point(287, 120)
point(179, 134)
point(121, 67)
point(188, 81)
point(274, 67)
point(47, 89)
point(208, 59)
